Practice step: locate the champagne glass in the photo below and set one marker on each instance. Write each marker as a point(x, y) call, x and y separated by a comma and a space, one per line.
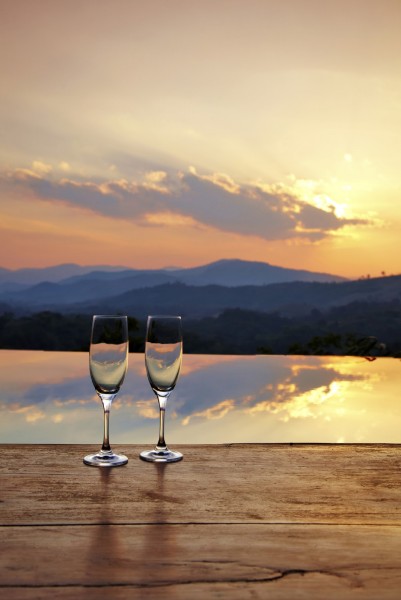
point(108, 361)
point(163, 357)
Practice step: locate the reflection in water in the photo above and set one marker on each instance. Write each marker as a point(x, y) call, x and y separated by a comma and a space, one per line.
point(47, 397)
point(214, 412)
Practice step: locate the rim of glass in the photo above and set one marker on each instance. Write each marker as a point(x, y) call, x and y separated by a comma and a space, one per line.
point(110, 316)
point(164, 316)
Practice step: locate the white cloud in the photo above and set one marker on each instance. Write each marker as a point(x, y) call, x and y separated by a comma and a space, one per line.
point(41, 168)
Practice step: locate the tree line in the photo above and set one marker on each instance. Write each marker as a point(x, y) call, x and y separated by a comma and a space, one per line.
point(359, 328)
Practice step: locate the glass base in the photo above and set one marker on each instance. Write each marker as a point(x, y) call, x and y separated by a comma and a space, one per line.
point(161, 455)
point(105, 459)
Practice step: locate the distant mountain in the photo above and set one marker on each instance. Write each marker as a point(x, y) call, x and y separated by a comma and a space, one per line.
point(81, 289)
point(235, 272)
point(227, 272)
point(288, 299)
point(71, 287)
point(62, 286)
point(56, 273)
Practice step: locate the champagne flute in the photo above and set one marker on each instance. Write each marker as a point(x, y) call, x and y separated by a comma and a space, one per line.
point(108, 362)
point(163, 357)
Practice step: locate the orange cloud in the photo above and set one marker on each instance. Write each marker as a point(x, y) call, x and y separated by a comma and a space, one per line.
point(213, 200)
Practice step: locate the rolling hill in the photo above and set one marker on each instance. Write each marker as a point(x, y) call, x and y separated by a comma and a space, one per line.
point(288, 299)
point(51, 288)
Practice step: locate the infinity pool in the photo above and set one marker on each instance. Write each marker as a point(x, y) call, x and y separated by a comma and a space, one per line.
point(47, 397)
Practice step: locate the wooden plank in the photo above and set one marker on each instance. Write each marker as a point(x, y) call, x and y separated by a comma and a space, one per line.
point(293, 587)
point(232, 521)
point(217, 560)
point(248, 483)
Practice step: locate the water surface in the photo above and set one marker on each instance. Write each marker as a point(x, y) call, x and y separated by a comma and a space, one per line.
point(47, 397)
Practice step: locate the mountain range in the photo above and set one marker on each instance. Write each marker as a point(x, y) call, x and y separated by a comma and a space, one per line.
point(194, 292)
point(68, 285)
point(227, 272)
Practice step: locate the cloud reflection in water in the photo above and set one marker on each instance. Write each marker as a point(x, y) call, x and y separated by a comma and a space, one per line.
point(48, 398)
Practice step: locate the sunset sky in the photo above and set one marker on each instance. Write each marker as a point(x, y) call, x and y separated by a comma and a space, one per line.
point(175, 133)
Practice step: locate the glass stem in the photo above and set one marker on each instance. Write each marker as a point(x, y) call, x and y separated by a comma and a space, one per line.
point(106, 401)
point(161, 444)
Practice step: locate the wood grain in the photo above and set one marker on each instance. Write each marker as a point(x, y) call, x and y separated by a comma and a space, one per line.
point(185, 557)
point(222, 484)
point(233, 521)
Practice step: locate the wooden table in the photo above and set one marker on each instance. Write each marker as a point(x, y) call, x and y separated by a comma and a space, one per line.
point(229, 521)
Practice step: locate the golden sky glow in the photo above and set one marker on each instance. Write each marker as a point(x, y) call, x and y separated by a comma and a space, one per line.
point(151, 134)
